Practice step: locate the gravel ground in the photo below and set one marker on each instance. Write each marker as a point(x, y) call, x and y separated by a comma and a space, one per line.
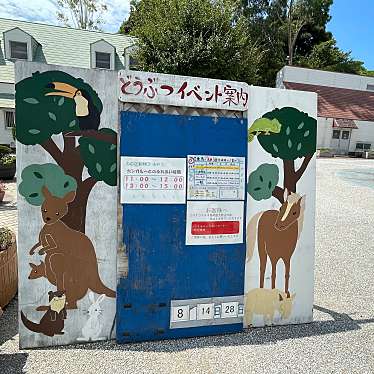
point(340, 340)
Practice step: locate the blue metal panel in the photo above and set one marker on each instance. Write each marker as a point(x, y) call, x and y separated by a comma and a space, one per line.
point(161, 267)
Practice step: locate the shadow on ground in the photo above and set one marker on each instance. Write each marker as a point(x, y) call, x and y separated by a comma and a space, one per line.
point(15, 362)
point(341, 322)
point(9, 322)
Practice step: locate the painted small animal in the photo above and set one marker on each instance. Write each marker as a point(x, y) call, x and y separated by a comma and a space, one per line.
point(88, 114)
point(264, 126)
point(278, 232)
point(266, 302)
point(52, 323)
point(72, 279)
point(76, 260)
point(92, 328)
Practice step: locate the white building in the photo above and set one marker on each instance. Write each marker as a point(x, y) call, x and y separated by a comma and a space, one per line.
point(345, 107)
point(57, 45)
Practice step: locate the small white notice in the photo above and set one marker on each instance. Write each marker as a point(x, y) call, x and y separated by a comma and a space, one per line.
point(215, 177)
point(214, 222)
point(153, 180)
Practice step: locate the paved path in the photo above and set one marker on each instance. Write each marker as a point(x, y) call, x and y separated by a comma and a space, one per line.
point(8, 208)
point(341, 340)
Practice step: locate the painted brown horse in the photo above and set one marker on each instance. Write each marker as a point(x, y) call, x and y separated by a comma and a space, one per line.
point(278, 232)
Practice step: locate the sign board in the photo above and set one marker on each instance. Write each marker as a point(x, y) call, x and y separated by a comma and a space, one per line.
point(216, 177)
point(206, 311)
point(67, 205)
point(153, 88)
point(214, 222)
point(153, 180)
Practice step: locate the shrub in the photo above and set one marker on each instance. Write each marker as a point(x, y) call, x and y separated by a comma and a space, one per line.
point(6, 238)
point(4, 150)
point(7, 160)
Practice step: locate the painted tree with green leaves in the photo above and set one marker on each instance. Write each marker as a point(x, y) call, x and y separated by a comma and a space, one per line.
point(296, 139)
point(53, 104)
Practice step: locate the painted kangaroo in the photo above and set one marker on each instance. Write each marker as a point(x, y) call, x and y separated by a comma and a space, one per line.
point(70, 262)
point(278, 232)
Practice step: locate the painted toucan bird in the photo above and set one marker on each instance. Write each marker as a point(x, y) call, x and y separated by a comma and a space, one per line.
point(86, 112)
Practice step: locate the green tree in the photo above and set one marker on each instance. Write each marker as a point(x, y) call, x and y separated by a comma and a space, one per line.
point(194, 37)
point(129, 24)
point(262, 181)
point(81, 14)
point(327, 56)
point(295, 15)
point(285, 29)
point(297, 139)
point(47, 105)
point(52, 176)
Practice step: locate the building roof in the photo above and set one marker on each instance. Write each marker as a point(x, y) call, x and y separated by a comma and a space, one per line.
point(340, 102)
point(60, 45)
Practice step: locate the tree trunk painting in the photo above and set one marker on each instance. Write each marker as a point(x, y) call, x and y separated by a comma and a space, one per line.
point(276, 232)
point(296, 139)
point(48, 101)
point(65, 245)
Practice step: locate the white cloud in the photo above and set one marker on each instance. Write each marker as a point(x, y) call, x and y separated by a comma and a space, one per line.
point(44, 11)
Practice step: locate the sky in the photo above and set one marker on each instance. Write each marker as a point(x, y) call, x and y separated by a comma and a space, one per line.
point(44, 11)
point(353, 27)
point(351, 23)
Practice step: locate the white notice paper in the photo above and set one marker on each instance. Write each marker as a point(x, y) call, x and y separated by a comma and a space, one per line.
point(214, 222)
point(215, 177)
point(153, 180)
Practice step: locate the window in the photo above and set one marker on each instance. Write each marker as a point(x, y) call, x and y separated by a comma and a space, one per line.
point(336, 134)
point(132, 62)
point(18, 50)
point(9, 119)
point(345, 135)
point(103, 60)
point(363, 146)
point(370, 87)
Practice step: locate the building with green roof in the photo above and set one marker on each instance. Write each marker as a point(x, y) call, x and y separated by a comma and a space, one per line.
point(53, 45)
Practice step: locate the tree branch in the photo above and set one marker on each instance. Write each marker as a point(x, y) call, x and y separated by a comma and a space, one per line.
point(110, 138)
point(51, 147)
point(303, 166)
point(278, 194)
point(69, 143)
point(88, 184)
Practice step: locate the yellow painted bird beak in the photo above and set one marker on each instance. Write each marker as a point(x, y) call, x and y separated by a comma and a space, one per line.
point(62, 89)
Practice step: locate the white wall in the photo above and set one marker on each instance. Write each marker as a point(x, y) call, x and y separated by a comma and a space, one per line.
point(364, 133)
point(323, 78)
point(7, 88)
point(324, 132)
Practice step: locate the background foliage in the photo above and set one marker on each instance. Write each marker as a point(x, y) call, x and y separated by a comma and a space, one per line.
point(194, 37)
point(248, 40)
